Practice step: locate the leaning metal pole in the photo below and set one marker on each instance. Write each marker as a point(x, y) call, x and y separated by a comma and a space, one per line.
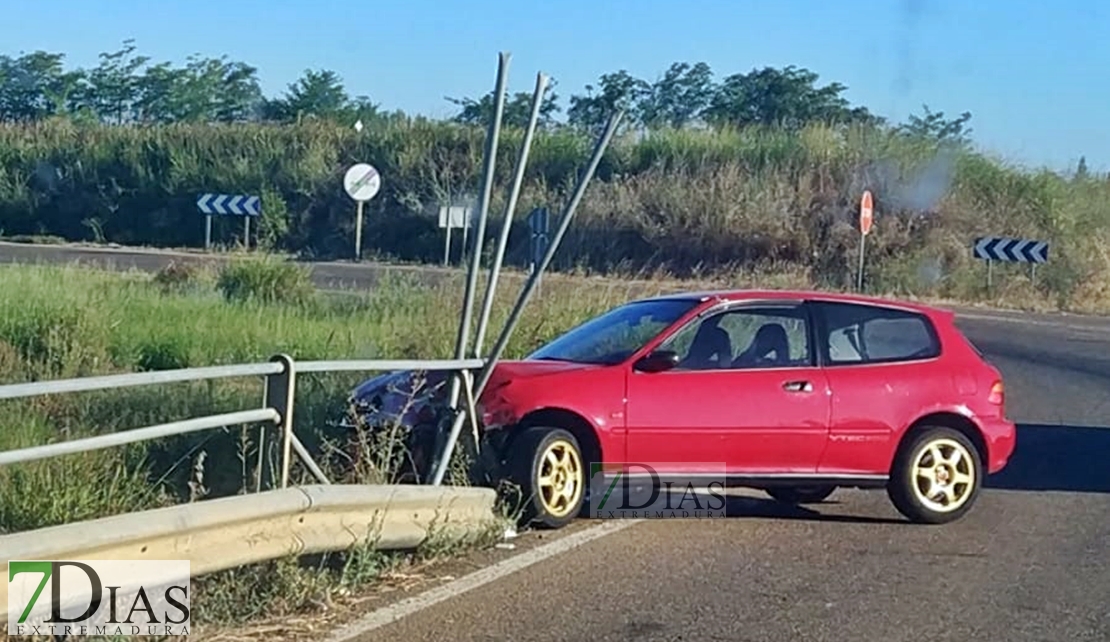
point(510, 207)
point(526, 294)
point(564, 223)
point(493, 135)
point(483, 205)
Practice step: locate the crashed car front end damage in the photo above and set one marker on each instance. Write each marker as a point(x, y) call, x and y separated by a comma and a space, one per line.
point(413, 408)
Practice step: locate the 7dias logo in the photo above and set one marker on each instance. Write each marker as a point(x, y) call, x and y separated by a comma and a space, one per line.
point(628, 490)
point(98, 597)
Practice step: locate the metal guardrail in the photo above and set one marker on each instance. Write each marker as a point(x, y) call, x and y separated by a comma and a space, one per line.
point(229, 532)
point(131, 380)
point(280, 386)
point(141, 434)
point(233, 531)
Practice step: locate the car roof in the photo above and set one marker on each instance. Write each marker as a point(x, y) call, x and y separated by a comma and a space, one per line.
point(753, 295)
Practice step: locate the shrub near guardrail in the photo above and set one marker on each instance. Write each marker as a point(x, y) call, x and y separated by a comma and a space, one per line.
point(687, 202)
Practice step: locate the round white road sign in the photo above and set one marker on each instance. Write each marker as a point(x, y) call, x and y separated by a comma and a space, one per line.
point(362, 182)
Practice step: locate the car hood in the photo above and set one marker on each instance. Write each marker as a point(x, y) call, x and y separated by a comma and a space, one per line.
point(415, 397)
point(397, 381)
point(514, 370)
point(403, 382)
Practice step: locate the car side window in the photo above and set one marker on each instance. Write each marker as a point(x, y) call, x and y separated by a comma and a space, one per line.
point(742, 339)
point(857, 333)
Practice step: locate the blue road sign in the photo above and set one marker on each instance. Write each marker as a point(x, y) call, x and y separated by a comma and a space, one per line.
point(538, 223)
point(232, 204)
point(993, 248)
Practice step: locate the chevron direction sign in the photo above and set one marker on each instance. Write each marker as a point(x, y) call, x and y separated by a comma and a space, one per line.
point(235, 205)
point(993, 248)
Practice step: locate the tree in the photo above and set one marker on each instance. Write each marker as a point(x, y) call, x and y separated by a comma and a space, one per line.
point(516, 112)
point(788, 97)
point(125, 87)
point(317, 94)
point(320, 94)
point(204, 90)
point(110, 89)
point(679, 98)
point(35, 86)
point(934, 127)
point(614, 91)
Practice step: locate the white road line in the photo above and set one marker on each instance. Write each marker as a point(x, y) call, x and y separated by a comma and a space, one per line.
point(392, 613)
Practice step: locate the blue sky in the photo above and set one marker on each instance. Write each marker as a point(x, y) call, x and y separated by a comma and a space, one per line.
point(1036, 76)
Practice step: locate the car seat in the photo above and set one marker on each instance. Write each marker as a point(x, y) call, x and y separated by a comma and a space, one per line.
point(771, 337)
point(711, 348)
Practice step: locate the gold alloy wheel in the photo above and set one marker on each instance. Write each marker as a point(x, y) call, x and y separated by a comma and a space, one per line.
point(560, 478)
point(944, 475)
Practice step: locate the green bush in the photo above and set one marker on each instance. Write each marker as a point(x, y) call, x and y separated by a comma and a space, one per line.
point(266, 280)
point(178, 277)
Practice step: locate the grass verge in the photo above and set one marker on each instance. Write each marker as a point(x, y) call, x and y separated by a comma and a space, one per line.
point(60, 322)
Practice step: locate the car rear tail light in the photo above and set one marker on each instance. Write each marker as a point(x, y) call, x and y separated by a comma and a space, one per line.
point(998, 394)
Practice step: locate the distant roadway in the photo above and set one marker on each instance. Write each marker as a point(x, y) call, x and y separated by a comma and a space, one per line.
point(1030, 562)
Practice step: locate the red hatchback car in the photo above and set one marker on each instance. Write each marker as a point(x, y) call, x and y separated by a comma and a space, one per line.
point(796, 393)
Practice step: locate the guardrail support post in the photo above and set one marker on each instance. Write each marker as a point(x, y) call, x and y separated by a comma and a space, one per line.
point(280, 389)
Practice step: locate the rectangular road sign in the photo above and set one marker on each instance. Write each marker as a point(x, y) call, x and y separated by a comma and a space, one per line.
point(455, 216)
point(230, 204)
point(995, 248)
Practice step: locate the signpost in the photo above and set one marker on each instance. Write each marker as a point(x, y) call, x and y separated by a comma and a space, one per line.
point(1000, 248)
point(538, 224)
point(866, 219)
point(362, 182)
point(455, 216)
point(228, 205)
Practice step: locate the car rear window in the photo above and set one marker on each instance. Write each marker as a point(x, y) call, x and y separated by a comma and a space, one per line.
point(897, 338)
point(873, 334)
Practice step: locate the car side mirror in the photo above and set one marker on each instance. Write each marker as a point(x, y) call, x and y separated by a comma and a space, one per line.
point(658, 361)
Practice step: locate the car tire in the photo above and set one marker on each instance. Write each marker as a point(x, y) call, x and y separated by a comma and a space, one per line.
point(553, 503)
point(936, 476)
point(800, 494)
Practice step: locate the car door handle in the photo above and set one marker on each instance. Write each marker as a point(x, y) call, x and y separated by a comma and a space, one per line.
point(797, 386)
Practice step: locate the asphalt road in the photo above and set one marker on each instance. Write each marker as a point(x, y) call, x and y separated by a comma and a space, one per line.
point(1029, 563)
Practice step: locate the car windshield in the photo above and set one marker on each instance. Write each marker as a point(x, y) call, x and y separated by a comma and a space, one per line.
point(617, 334)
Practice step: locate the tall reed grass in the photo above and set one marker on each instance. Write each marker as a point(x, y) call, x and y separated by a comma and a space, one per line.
point(753, 201)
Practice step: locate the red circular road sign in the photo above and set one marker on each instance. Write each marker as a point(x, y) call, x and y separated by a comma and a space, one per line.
point(866, 213)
